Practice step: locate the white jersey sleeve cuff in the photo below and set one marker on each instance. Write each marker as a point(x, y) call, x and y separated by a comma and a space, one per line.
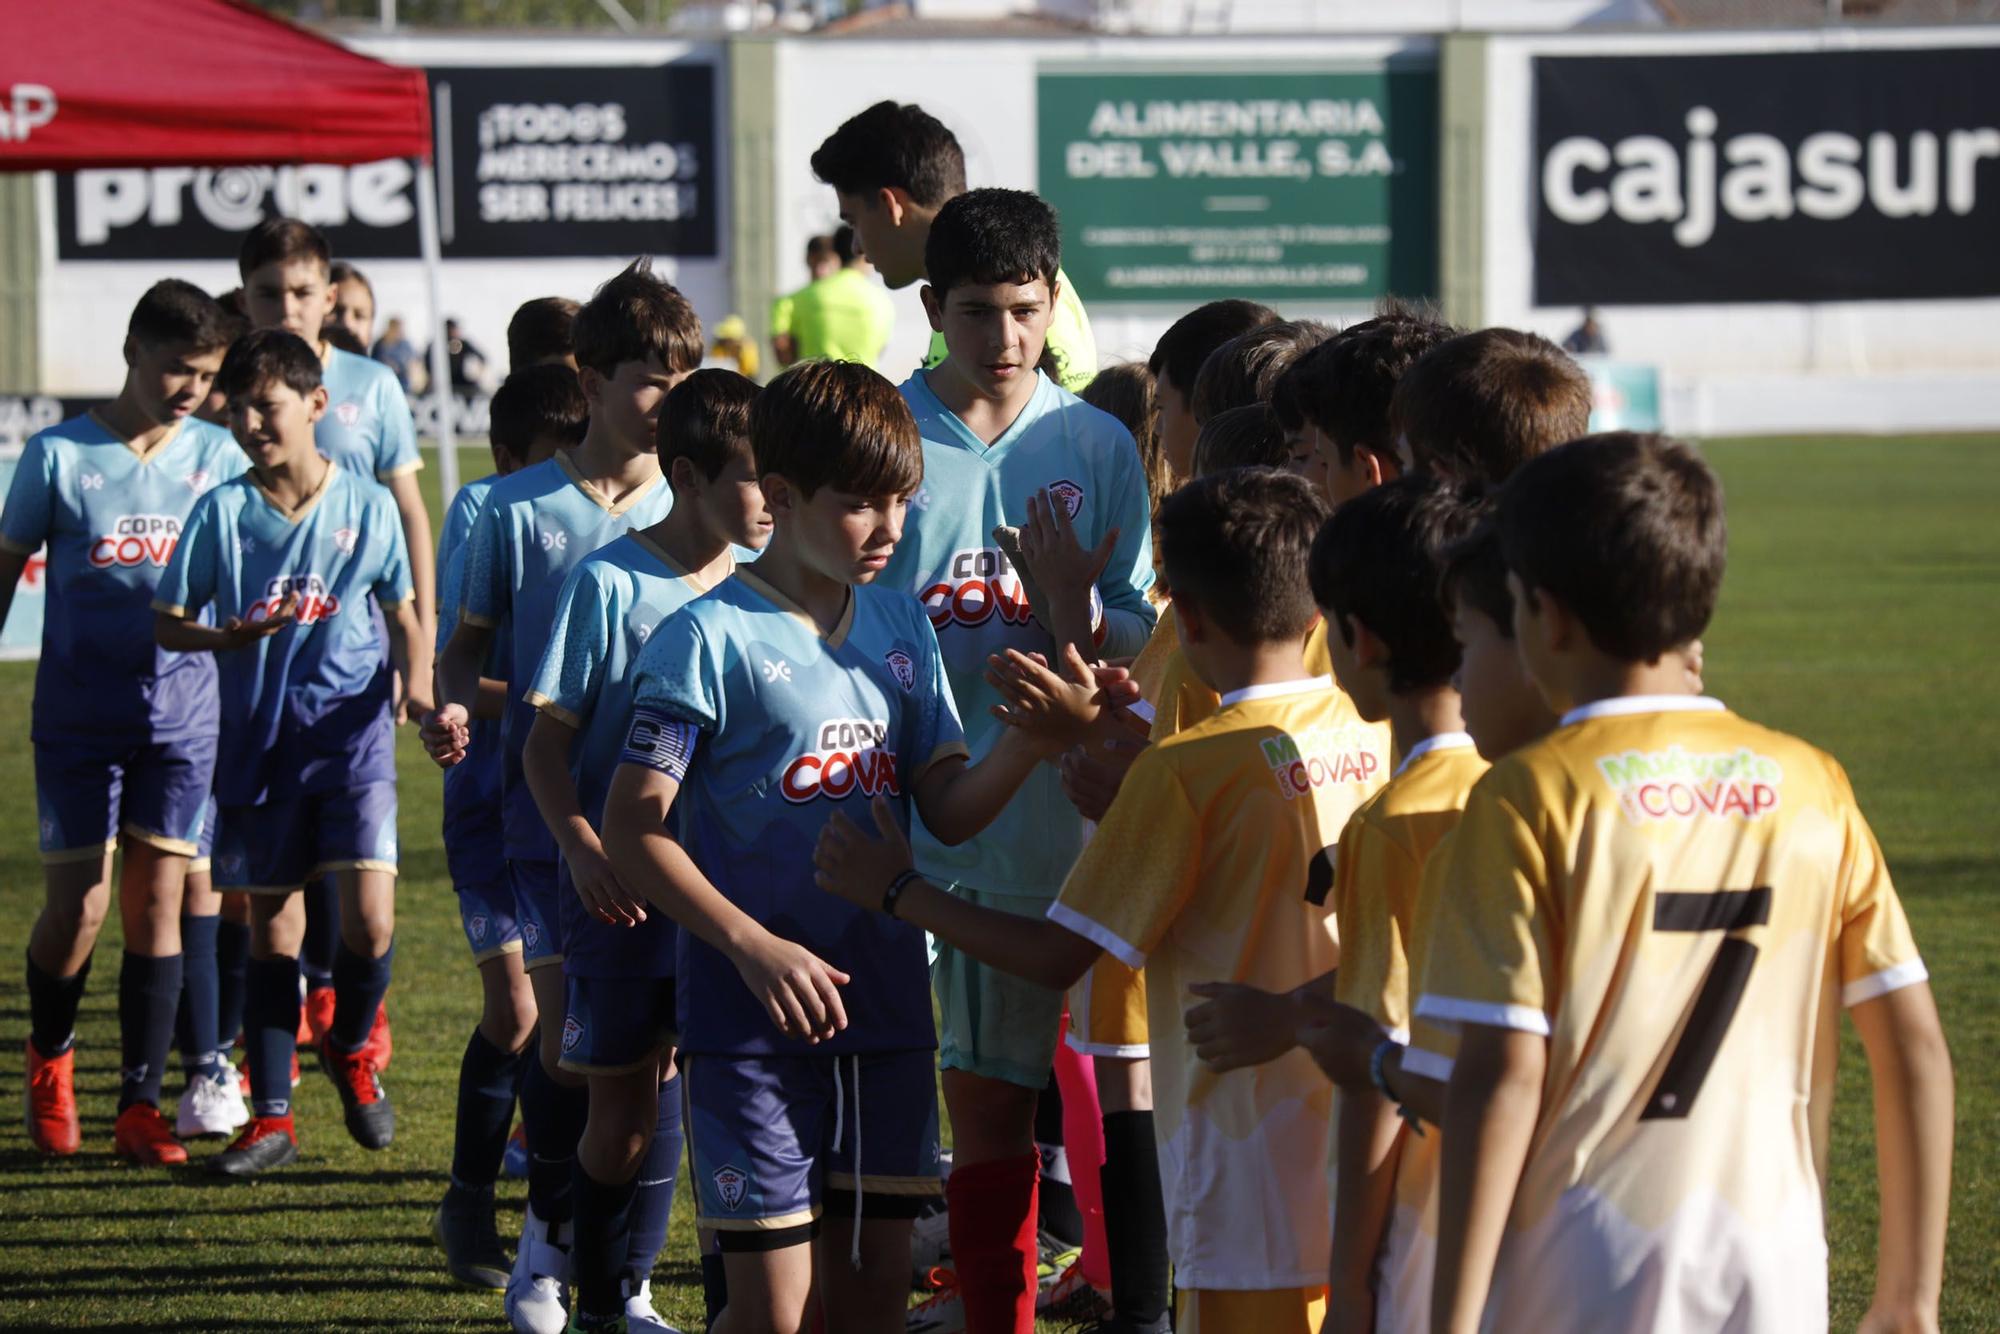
point(1071, 920)
point(1427, 1064)
point(1864, 989)
point(1452, 1010)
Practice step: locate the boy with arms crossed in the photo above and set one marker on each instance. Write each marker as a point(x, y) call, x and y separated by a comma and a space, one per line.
point(618, 959)
point(635, 340)
point(124, 732)
point(797, 687)
point(1200, 871)
point(291, 554)
point(1673, 905)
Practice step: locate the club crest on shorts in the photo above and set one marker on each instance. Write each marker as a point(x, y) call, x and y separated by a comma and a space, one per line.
point(478, 925)
point(572, 1033)
point(1067, 494)
point(343, 540)
point(531, 935)
point(347, 414)
point(732, 1184)
point(903, 666)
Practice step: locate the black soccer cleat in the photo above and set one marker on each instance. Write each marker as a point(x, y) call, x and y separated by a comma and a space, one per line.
point(266, 1143)
point(370, 1119)
point(463, 1225)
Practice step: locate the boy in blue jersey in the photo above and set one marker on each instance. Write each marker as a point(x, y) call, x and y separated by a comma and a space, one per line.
point(536, 414)
point(635, 340)
point(790, 691)
point(290, 555)
point(1002, 440)
point(618, 960)
point(288, 283)
point(124, 734)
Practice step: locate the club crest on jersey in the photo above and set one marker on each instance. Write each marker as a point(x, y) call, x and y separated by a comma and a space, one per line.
point(1067, 494)
point(1679, 784)
point(1321, 758)
point(849, 758)
point(903, 667)
point(981, 584)
point(572, 1033)
point(136, 539)
point(315, 602)
point(348, 414)
point(197, 481)
point(732, 1185)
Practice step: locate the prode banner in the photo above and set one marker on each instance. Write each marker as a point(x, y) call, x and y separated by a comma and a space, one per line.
point(1823, 176)
point(532, 162)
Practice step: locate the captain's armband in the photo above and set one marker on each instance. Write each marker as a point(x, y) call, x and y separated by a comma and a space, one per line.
point(660, 742)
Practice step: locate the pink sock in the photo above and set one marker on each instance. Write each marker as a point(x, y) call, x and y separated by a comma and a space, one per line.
point(1083, 1145)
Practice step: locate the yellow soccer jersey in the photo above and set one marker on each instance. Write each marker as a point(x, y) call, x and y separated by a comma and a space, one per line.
point(1181, 699)
point(1681, 902)
point(1212, 866)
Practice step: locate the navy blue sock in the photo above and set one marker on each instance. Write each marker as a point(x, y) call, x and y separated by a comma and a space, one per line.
point(658, 1172)
point(232, 961)
point(714, 1287)
point(148, 990)
point(553, 1116)
point(194, 1024)
point(359, 983)
point(52, 1007)
point(319, 955)
point(270, 1037)
point(604, 1215)
point(487, 1078)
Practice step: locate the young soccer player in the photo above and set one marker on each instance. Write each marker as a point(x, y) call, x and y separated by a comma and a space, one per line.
point(542, 332)
point(1201, 871)
point(537, 413)
point(1176, 364)
point(1477, 406)
point(1673, 904)
point(353, 308)
point(1247, 437)
point(290, 555)
point(845, 316)
point(1002, 440)
point(893, 167)
point(1336, 399)
point(124, 734)
point(798, 687)
point(618, 959)
point(1246, 369)
point(635, 340)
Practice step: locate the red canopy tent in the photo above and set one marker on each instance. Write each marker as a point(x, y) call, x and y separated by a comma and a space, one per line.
point(204, 83)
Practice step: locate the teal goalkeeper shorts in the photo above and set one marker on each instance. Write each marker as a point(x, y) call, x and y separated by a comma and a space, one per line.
point(992, 1023)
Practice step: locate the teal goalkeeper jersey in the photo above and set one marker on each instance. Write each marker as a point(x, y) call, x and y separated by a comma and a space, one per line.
point(948, 559)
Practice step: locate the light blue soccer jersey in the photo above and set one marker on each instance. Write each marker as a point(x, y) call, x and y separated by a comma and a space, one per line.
point(609, 606)
point(110, 517)
point(948, 559)
point(472, 786)
point(795, 725)
point(536, 525)
point(367, 428)
point(307, 709)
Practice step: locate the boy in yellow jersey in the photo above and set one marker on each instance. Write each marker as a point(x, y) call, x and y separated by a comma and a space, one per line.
point(1661, 910)
point(1199, 872)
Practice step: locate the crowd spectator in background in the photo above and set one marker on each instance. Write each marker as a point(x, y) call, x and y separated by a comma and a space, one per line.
point(1588, 337)
point(467, 362)
point(395, 350)
point(351, 324)
point(820, 261)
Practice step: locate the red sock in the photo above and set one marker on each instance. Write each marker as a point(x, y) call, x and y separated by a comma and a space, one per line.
point(992, 1220)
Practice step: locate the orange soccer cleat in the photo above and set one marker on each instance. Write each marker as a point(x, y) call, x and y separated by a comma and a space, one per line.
point(51, 1090)
point(143, 1136)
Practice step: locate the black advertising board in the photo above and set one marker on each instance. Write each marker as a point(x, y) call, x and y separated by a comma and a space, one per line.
point(1822, 176)
point(557, 161)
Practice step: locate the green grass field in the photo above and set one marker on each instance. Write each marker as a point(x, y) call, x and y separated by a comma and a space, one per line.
point(1860, 612)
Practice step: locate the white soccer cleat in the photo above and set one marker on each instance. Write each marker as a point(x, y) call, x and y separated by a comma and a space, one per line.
point(535, 1300)
point(930, 1245)
point(211, 1107)
point(640, 1317)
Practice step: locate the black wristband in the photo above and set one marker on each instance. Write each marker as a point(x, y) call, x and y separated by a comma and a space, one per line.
point(896, 888)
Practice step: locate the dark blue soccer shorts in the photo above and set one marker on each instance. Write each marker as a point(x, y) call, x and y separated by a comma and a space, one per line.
point(615, 1025)
point(276, 847)
point(536, 908)
point(89, 791)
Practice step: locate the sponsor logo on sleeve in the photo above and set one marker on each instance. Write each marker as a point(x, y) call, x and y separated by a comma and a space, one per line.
point(1321, 758)
point(1679, 784)
point(850, 758)
point(136, 539)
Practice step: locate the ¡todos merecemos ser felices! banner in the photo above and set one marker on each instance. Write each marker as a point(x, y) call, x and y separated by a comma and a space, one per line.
point(1278, 185)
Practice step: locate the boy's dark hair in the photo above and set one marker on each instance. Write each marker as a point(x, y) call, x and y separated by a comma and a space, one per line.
point(1478, 406)
point(1186, 344)
point(1126, 392)
point(1380, 560)
point(705, 419)
point(992, 236)
point(822, 248)
point(1246, 437)
point(179, 314)
point(340, 271)
point(1234, 544)
point(1475, 574)
point(637, 317)
point(843, 245)
point(344, 338)
point(1627, 531)
point(264, 355)
point(1344, 385)
point(1243, 370)
point(280, 240)
point(541, 330)
point(893, 146)
point(838, 424)
point(537, 402)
